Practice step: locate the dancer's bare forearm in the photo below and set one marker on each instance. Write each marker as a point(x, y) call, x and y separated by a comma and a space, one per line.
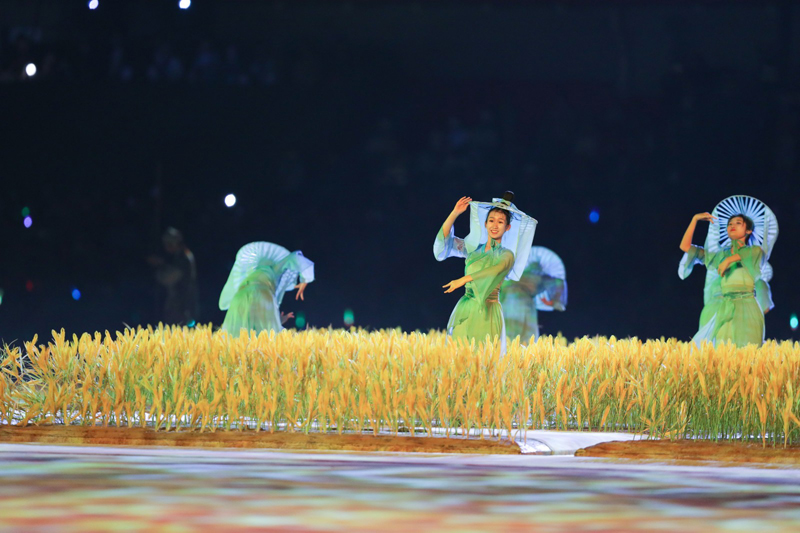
point(686, 242)
point(460, 207)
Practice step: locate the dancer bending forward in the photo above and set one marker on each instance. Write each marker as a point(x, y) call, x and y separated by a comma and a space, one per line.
point(261, 275)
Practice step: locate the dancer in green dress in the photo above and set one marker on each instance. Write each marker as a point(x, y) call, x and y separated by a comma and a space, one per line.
point(497, 247)
point(736, 256)
point(543, 287)
point(261, 275)
point(712, 290)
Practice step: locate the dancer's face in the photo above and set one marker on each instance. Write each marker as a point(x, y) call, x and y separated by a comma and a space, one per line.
point(496, 225)
point(737, 229)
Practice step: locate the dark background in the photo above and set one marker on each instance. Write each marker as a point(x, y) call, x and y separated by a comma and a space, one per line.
point(349, 129)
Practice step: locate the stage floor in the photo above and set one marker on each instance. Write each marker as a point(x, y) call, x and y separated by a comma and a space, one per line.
point(82, 489)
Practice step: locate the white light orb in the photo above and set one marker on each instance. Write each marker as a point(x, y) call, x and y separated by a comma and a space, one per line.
point(230, 200)
point(30, 70)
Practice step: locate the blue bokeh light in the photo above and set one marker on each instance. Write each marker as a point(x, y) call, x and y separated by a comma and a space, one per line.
point(76, 294)
point(594, 216)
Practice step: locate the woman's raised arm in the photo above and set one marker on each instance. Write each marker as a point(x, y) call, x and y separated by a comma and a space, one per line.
point(460, 207)
point(686, 242)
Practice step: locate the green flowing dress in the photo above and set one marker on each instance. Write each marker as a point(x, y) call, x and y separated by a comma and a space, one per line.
point(478, 313)
point(736, 316)
point(254, 291)
point(712, 291)
point(520, 306)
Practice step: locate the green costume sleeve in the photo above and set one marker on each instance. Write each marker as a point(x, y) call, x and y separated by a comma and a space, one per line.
point(712, 259)
point(486, 280)
point(451, 246)
point(694, 256)
point(752, 259)
point(764, 295)
point(297, 262)
point(291, 269)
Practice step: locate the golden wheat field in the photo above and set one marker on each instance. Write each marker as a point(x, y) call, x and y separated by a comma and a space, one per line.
point(324, 380)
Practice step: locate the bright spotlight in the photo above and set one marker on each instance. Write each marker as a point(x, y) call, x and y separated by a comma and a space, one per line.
point(349, 317)
point(230, 200)
point(594, 216)
point(76, 294)
point(93, 4)
point(27, 222)
point(30, 70)
point(794, 322)
point(184, 4)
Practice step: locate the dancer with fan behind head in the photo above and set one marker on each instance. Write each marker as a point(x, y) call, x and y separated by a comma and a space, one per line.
point(261, 275)
point(496, 248)
point(542, 287)
point(741, 236)
point(712, 290)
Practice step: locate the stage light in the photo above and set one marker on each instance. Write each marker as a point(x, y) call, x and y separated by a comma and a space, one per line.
point(191, 324)
point(28, 222)
point(594, 216)
point(793, 322)
point(93, 4)
point(25, 211)
point(184, 4)
point(300, 321)
point(30, 70)
point(1, 296)
point(230, 200)
point(349, 317)
point(76, 294)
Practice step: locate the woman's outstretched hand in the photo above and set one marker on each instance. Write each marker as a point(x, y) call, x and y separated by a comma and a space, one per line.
point(455, 284)
point(686, 241)
point(286, 316)
point(708, 217)
point(462, 205)
point(300, 290)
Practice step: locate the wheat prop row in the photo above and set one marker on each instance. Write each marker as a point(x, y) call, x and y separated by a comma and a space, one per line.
point(324, 380)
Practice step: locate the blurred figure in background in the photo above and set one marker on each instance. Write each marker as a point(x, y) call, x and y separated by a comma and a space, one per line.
point(542, 287)
point(177, 272)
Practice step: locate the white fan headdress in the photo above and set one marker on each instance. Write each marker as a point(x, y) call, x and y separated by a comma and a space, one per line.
point(518, 238)
point(765, 232)
point(250, 256)
point(551, 265)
